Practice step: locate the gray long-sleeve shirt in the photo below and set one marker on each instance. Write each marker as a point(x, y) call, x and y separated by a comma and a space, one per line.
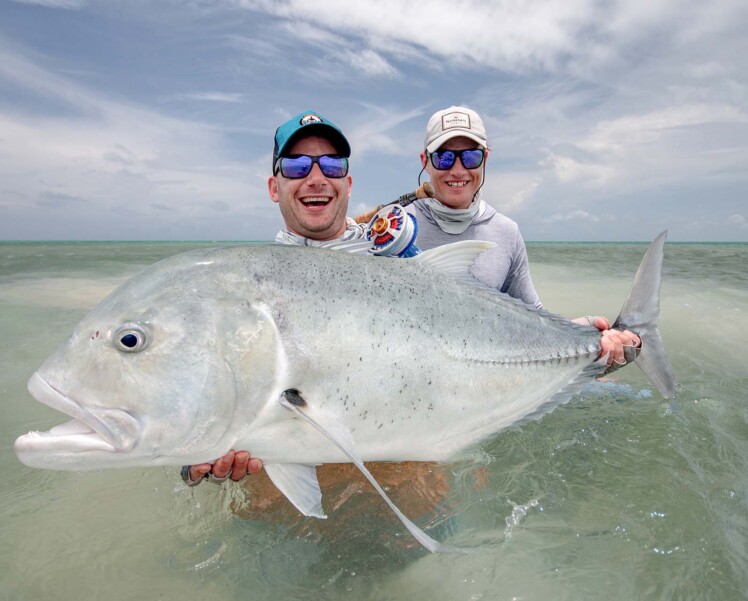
point(504, 267)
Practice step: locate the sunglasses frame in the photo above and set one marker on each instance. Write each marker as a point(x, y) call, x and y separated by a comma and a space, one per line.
point(458, 154)
point(315, 159)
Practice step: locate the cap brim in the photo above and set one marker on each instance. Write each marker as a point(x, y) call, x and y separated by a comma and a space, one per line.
point(455, 133)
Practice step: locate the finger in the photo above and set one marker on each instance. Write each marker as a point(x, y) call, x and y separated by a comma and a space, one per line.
point(611, 344)
point(254, 466)
point(197, 471)
point(240, 466)
point(601, 323)
point(222, 466)
point(630, 339)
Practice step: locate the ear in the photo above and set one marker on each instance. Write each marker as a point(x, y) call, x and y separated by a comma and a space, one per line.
point(350, 185)
point(424, 158)
point(273, 188)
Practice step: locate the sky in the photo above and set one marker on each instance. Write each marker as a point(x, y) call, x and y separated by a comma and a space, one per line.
point(607, 120)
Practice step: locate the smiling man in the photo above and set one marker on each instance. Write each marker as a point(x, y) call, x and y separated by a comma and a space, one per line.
point(311, 185)
point(454, 157)
point(310, 181)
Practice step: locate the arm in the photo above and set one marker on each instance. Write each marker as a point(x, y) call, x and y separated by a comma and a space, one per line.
point(518, 282)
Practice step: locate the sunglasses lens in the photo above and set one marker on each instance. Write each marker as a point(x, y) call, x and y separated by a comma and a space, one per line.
point(300, 166)
point(334, 167)
point(472, 159)
point(296, 167)
point(443, 160)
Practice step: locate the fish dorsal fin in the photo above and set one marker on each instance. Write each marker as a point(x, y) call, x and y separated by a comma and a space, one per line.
point(292, 400)
point(456, 258)
point(300, 486)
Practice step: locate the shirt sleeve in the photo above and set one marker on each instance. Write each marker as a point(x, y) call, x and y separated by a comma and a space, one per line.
point(518, 283)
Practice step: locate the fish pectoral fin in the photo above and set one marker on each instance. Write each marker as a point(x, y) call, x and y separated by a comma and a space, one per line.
point(340, 435)
point(300, 486)
point(456, 259)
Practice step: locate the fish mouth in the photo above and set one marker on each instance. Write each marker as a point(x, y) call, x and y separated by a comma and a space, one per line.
point(91, 429)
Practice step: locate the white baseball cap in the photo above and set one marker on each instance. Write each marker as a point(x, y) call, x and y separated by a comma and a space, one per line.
point(451, 123)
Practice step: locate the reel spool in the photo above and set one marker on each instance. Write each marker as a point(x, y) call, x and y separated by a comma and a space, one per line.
point(392, 232)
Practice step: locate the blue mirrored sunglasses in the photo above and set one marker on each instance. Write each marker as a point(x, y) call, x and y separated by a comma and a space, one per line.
point(471, 158)
point(300, 165)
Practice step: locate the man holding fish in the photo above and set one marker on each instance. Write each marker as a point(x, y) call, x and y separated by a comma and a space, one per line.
point(311, 185)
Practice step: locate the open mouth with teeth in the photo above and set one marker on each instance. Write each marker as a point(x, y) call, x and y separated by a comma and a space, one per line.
point(457, 184)
point(316, 201)
point(92, 429)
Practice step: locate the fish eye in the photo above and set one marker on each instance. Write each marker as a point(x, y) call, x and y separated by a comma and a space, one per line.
point(131, 338)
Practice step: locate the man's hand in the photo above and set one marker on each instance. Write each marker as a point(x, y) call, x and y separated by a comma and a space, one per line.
point(613, 342)
point(234, 465)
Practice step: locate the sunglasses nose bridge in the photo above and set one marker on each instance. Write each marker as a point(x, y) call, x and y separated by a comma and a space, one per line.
point(458, 166)
point(315, 174)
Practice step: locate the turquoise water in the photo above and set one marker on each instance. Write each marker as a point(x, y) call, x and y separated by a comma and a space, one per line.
point(619, 494)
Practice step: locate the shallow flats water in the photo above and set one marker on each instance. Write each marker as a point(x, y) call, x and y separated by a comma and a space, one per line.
point(619, 494)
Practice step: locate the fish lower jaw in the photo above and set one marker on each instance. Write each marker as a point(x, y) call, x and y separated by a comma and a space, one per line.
point(61, 451)
point(80, 442)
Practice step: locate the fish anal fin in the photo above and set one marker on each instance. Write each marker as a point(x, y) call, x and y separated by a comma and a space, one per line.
point(300, 486)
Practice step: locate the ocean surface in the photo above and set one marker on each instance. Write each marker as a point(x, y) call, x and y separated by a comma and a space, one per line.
point(619, 494)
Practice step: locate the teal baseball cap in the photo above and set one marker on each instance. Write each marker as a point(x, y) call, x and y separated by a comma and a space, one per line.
point(309, 123)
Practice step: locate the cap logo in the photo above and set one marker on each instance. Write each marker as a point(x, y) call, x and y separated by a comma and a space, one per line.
point(310, 118)
point(452, 120)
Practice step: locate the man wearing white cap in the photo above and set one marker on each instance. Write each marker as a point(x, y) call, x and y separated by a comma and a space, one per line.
point(454, 157)
point(455, 154)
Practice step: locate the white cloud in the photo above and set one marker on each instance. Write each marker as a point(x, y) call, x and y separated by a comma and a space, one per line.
point(509, 191)
point(676, 143)
point(113, 158)
point(371, 63)
point(374, 130)
point(737, 220)
point(500, 34)
point(588, 35)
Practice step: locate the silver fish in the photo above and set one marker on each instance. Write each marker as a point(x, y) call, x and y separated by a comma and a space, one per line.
point(306, 356)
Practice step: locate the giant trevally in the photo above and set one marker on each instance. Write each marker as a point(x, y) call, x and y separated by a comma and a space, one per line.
point(306, 356)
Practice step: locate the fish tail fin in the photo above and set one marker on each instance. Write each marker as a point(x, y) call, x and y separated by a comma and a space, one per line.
point(639, 314)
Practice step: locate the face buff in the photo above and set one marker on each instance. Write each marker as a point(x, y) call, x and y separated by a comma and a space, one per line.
point(455, 221)
point(353, 231)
